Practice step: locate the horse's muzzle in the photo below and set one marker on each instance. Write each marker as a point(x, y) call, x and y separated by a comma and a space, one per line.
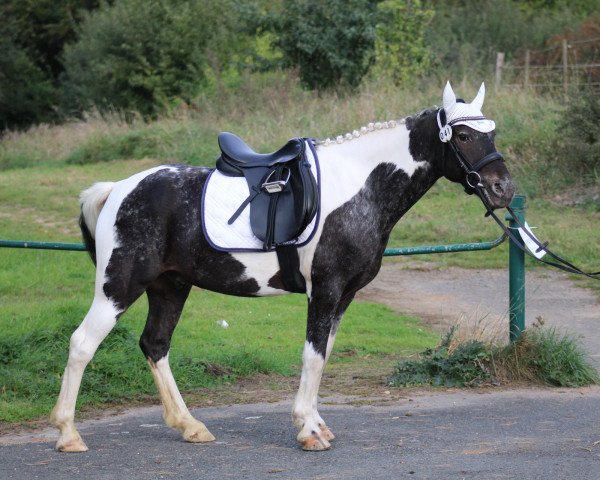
point(499, 191)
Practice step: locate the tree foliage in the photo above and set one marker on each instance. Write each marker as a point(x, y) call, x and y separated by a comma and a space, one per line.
point(465, 35)
point(43, 27)
point(578, 137)
point(401, 52)
point(141, 54)
point(27, 95)
point(32, 36)
point(330, 43)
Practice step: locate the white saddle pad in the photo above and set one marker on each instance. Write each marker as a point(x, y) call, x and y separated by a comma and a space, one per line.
point(223, 195)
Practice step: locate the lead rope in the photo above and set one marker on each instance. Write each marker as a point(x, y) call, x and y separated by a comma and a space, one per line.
point(562, 265)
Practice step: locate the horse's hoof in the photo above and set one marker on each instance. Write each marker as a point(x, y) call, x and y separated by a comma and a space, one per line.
point(198, 434)
point(314, 444)
point(73, 446)
point(326, 433)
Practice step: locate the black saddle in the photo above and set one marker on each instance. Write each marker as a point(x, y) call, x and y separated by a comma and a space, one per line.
point(236, 155)
point(283, 198)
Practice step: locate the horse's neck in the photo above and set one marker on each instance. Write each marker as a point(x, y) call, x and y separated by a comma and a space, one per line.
point(380, 162)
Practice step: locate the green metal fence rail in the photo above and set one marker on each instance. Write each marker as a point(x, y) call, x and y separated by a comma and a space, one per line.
point(453, 247)
point(516, 264)
point(79, 247)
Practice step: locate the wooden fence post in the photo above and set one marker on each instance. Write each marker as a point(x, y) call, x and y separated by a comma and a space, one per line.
point(527, 56)
point(565, 60)
point(499, 66)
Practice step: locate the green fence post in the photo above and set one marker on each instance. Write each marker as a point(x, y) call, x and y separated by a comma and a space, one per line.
point(516, 268)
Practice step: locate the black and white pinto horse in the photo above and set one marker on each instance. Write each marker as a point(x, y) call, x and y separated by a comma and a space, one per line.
point(144, 235)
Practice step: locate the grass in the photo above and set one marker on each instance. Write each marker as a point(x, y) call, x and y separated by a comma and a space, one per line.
point(276, 108)
point(264, 336)
point(446, 215)
point(545, 356)
point(541, 355)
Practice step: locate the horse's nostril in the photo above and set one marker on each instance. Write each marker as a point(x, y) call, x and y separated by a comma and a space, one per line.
point(498, 189)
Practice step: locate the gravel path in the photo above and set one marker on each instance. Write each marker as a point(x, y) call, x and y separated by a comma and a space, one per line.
point(479, 299)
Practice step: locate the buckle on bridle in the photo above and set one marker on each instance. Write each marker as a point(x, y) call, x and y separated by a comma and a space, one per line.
point(477, 180)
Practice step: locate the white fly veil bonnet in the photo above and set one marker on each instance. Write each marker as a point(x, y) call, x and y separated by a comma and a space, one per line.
point(459, 113)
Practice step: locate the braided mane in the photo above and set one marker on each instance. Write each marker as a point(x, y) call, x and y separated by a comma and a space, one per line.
point(370, 127)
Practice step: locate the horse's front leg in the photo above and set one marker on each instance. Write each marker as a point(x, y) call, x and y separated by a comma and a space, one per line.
point(323, 319)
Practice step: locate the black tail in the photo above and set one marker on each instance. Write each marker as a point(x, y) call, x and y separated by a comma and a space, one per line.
point(88, 239)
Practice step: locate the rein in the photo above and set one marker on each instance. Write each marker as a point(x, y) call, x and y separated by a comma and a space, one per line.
point(473, 179)
point(560, 262)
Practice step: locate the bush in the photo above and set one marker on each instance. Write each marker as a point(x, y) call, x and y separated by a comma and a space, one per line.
point(139, 55)
point(578, 138)
point(541, 355)
point(442, 366)
point(330, 43)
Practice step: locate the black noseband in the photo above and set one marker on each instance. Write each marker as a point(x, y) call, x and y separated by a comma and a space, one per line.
point(489, 158)
point(473, 178)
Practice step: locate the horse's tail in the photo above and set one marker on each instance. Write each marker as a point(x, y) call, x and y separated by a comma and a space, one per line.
point(92, 200)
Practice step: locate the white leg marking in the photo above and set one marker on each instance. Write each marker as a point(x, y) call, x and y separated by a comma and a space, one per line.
point(99, 321)
point(313, 435)
point(330, 342)
point(176, 414)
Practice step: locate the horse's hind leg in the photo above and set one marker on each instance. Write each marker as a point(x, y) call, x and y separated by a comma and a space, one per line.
point(99, 321)
point(166, 297)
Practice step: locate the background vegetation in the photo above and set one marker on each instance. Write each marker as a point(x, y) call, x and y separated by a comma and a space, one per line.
point(138, 61)
point(146, 56)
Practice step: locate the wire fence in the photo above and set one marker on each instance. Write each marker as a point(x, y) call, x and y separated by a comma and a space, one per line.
point(566, 65)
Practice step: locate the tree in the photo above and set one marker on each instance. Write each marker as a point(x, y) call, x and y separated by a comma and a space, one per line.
point(27, 95)
point(42, 27)
point(330, 43)
point(401, 52)
point(141, 54)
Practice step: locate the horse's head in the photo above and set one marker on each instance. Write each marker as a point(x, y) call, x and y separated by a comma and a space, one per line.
point(471, 157)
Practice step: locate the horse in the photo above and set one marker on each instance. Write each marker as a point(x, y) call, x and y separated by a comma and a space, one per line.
point(145, 235)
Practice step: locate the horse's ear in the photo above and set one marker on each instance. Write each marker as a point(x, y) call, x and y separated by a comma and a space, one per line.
point(449, 99)
point(478, 100)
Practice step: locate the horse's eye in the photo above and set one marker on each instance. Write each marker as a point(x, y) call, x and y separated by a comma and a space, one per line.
point(463, 137)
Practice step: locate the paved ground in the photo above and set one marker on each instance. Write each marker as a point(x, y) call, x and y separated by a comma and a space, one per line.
point(548, 434)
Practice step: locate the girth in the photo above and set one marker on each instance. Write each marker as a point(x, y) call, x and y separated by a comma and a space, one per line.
point(283, 197)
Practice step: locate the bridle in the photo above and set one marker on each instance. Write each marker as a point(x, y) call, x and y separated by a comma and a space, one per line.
point(474, 185)
point(473, 177)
